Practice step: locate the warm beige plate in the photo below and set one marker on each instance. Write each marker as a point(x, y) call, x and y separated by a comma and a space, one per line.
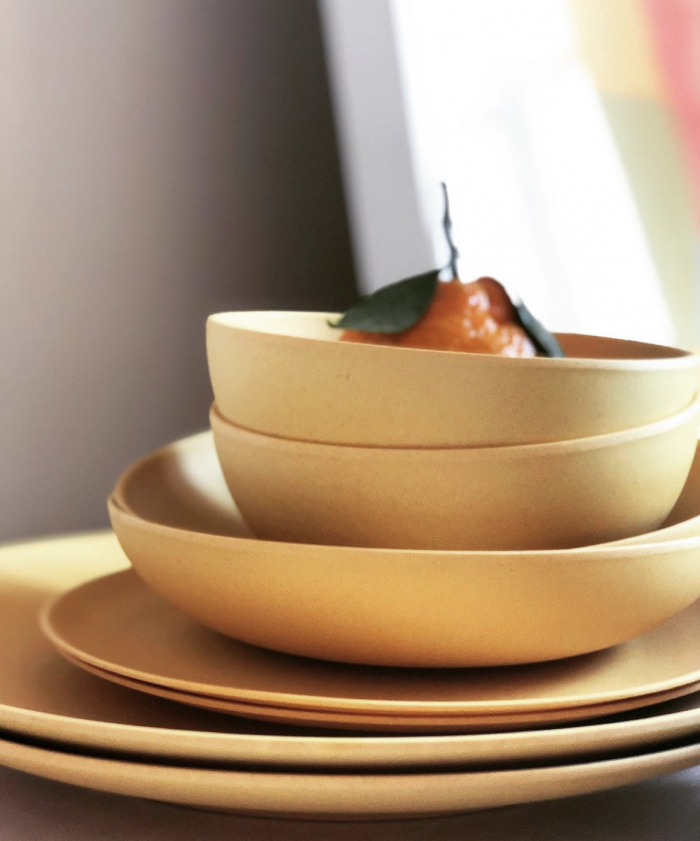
point(43, 697)
point(423, 725)
point(175, 520)
point(342, 796)
point(117, 624)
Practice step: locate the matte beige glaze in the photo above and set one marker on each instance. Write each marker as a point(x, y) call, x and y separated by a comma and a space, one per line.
point(118, 625)
point(497, 498)
point(285, 374)
point(683, 521)
point(341, 796)
point(178, 527)
point(81, 711)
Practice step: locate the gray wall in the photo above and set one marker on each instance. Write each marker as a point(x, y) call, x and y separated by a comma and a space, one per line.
point(159, 160)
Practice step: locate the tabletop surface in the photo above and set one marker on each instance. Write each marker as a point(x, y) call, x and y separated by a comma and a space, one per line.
point(664, 809)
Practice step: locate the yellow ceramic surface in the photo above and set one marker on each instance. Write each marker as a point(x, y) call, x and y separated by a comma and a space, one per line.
point(83, 712)
point(286, 374)
point(341, 796)
point(495, 498)
point(119, 625)
point(684, 520)
point(384, 607)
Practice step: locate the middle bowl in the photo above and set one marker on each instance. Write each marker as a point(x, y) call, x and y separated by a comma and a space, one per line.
point(180, 530)
point(498, 498)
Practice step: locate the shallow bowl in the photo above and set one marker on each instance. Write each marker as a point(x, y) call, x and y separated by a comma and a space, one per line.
point(492, 498)
point(286, 374)
point(183, 535)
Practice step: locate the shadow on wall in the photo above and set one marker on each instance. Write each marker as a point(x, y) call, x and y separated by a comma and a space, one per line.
point(163, 159)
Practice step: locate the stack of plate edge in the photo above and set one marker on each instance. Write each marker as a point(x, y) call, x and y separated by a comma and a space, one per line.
point(46, 568)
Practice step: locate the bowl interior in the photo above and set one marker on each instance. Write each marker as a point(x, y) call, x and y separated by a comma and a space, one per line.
point(314, 325)
point(182, 486)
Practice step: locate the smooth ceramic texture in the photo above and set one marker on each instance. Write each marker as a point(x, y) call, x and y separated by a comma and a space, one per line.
point(178, 527)
point(342, 796)
point(82, 712)
point(118, 625)
point(286, 374)
point(684, 519)
point(391, 724)
point(484, 499)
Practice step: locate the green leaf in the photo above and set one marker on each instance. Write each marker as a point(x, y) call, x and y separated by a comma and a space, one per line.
point(541, 338)
point(393, 308)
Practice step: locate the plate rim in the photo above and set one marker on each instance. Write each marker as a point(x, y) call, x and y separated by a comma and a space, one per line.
point(50, 610)
point(372, 795)
point(380, 723)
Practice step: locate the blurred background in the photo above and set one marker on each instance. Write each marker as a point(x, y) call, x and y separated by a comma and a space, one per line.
point(164, 159)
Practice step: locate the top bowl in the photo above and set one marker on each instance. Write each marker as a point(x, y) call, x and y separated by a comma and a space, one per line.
point(286, 374)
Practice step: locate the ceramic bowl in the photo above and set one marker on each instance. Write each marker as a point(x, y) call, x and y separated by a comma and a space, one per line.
point(286, 374)
point(684, 519)
point(183, 535)
point(493, 498)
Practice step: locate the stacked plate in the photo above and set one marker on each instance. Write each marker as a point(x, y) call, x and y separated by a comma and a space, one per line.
point(313, 677)
point(105, 736)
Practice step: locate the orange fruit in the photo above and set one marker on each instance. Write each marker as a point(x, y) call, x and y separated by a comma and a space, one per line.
point(475, 317)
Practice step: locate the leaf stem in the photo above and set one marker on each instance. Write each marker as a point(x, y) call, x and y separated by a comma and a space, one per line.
point(447, 227)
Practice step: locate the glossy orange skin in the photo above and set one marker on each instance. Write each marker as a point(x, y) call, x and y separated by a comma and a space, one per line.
point(475, 317)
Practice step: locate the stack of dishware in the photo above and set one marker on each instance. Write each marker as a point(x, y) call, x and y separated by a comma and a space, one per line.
point(328, 442)
point(393, 582)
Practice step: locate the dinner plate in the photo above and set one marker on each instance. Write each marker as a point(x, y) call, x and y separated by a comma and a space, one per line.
point(118, 624)
point(390, 723)
point(44, 698)
point(342, 796)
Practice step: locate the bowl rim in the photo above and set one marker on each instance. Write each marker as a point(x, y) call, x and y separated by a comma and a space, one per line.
point(674, 358)
point(117, 505)
point(227, 428)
